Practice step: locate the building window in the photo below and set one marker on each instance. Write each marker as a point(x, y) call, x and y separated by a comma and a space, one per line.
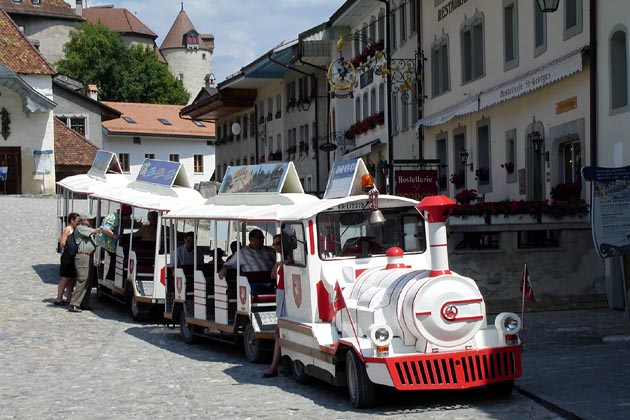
point(137, 140)
point(413, 6)
point(372, 29)
point(404, 115)
point(181, 76)
point(392, 31)
point(440, 74)
point(510, 156)
point(373, 108)
point(123, 159)
point(472, 44)
point(403, 22)
point(395, 126)
point(198, 123)
point(366, 104)
point(198, 164)
point(381, 97)
point(540, 30)
point(510, 34)
point(619, 70)
point(129, 120)
point(528, 239)
point(75, 123)
point(164, 121)
point(571, 155)
point(483, 172)
point(357, 110)
point(442, 154)
point(458, 176)
point(149, 155)
point(36, 2)
point(572, 18)
point(252, 125)
point(381, 25)
point(173, 157)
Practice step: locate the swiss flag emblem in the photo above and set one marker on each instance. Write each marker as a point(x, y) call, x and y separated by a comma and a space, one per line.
point(178, 284)
point(297, 289)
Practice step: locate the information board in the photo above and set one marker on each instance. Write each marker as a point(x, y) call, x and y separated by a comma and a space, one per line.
point(266, 177)
point(160, 172)
point(610, 209)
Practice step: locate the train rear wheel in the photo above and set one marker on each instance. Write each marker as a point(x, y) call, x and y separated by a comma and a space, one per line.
point(139, 311)
point(252, 345)
point(361, 390)
point(187, 330)
point(299, 372)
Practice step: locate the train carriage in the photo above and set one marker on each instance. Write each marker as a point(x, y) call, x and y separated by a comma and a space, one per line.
point(206, 305)
point(140, 265)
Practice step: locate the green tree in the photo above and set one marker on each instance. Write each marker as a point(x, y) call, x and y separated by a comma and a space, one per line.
point(96, 54)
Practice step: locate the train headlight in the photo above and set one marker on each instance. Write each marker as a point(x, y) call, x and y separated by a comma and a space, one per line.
point(508, 323)
point(381, 336)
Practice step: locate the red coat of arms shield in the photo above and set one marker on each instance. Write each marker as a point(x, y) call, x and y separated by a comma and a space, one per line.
point(178, 284)
point(242, 293)
point(297, 289)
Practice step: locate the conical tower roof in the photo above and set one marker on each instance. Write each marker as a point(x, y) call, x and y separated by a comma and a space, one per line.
point(175, 36)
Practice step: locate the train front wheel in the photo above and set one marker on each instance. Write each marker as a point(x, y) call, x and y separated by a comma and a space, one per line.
point(361, 390)
point(252, 345)
point(186, 330)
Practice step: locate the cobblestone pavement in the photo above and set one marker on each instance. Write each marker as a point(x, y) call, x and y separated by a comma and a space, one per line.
point(101, 365)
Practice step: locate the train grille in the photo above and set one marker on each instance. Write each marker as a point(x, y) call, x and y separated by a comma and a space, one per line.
point(456, 370)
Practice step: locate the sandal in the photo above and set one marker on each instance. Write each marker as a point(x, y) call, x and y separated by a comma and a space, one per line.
point(65, 303)
point(58, 302)
point(73, 308)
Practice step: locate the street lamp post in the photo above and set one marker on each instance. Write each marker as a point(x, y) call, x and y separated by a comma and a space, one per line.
point(548, 6)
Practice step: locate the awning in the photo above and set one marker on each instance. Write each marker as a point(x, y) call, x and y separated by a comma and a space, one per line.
point(541, 76)
point(360, 151)
point(462, 108)
point(273, 65)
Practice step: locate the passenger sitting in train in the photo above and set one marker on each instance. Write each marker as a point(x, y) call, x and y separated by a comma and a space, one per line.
point(148, 232)
point(186, 251)
point(254, 257)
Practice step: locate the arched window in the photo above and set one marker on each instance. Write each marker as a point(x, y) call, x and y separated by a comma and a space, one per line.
point(619, 70)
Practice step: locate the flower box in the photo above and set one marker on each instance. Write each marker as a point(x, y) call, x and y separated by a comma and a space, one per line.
point(466, 220)
point(512, 219)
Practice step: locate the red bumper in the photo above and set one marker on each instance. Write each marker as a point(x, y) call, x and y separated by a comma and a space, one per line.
point(457, 370)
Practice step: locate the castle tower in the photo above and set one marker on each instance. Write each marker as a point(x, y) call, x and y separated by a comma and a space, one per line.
point(188, 54)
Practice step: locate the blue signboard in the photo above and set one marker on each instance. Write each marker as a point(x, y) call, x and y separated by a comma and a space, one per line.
point(341, 179)
point(160, 172)
point(3, 173)
point(266, 177)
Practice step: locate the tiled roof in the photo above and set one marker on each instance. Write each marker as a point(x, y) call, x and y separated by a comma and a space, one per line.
point(50, 8)
point(118, 20)
point(17, 53)
point(181, 26)
point(146, 117)
point(71, 148)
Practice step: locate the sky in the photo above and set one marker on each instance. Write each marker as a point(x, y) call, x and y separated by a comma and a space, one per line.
point(243, 29)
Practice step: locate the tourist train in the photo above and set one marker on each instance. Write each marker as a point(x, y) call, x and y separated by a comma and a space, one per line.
point(370, 298)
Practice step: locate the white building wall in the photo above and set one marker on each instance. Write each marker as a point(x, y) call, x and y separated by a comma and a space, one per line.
point(192, 64)
point(535, 109)
point(162, 147)
point(613, 126)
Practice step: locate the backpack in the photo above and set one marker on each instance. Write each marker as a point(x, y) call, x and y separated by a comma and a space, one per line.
point(71, 248)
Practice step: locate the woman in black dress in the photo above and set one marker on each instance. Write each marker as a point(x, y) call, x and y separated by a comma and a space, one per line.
point(67, 270)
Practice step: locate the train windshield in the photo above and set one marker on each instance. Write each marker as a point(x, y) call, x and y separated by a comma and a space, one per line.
point(353, 233)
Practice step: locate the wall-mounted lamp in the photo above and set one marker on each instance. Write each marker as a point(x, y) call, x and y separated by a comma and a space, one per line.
point(548, 6)
point(463, 157)
point(537, 141)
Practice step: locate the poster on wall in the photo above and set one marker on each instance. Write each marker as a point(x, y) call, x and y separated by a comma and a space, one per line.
point(415, 184)
point(610, 209)
point(43, 162)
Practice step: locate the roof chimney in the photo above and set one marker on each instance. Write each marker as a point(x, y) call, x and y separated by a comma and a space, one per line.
point(79, 8)
point(93, 92)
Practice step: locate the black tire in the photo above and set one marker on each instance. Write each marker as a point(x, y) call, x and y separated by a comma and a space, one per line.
point(361, 390)
point(187, 330)
point(287, 366)
point(500, 389)
point(299, 372)
point(252, 345)
point(139, 311)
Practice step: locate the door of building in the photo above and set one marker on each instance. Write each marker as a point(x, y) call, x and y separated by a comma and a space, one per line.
point(10, 158)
